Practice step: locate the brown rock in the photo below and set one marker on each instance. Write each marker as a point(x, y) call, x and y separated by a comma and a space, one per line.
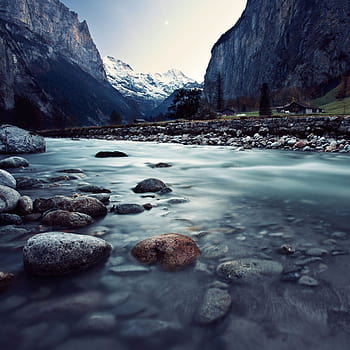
point(67, 219)
point(300, 144)
point(172, 250)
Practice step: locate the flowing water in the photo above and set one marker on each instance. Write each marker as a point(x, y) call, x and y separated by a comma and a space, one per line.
point(238, 205)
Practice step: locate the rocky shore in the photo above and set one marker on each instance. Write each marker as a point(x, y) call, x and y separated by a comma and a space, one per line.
point(315, 134)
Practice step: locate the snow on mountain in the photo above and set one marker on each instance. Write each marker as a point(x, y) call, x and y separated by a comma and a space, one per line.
point(148, 90)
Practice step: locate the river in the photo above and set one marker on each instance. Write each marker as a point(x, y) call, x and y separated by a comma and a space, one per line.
point(235, 205)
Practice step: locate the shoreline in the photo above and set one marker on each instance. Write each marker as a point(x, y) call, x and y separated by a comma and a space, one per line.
point(312, 134)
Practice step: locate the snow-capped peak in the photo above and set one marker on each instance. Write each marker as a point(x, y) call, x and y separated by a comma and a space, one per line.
point(147, 86)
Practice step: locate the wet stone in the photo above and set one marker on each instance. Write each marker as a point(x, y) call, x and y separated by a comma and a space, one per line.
point(129, 269)
point(97, 323)
point(6, 179)
point(10, 219)
point(316, 252)
point(108, 154)
point(66, 218)
point(24, 205)
point(149, 185)
point(8, 199)
point(248, 270)
point(308, 281)
point(339, 252)
point(93, 189)
point(160, 165)
point(57, 253)
point(5, 279)
point(214, 251)
point(124, 209)
point(215, 305)
point(13, 162)
point(28, 182)
point(286, 249)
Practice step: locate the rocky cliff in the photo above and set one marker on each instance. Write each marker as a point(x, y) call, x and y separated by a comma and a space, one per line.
point(300, 48)
point(51, 71)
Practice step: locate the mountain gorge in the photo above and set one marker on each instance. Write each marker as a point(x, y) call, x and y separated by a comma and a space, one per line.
point(51, 71)
point(146, 89)
point(300, 48)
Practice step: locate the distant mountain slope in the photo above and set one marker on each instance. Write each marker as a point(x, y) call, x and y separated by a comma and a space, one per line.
point(52, 73)
point(148, 90)
point(295, 46)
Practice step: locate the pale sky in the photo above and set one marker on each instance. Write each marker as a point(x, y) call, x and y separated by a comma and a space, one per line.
point(157, 35)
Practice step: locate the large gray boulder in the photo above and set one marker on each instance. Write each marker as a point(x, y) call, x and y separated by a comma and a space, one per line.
point(58, 253)
point(8, 199)
point(6, 179)
point(17, 140)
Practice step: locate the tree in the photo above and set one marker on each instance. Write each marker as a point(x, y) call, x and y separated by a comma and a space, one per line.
point(185, 103)
point(265, 102)
point(115, 118)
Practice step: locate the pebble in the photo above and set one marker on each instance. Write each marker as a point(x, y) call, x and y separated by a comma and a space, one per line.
point(124, 209)
point(108, 154)
point(214, 251)
point(25, 205)
point(149, 185)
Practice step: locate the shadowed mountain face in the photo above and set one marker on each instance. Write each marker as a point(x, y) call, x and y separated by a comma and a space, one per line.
point(51, 73)
point(296, 46)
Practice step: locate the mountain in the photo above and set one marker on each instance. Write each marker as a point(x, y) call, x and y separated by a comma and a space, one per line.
point(300, 48)
point(148, 90)
point(52, 73)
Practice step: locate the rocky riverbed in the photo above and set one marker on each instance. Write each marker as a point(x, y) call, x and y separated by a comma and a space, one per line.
point(261, 237)
point(311, 134)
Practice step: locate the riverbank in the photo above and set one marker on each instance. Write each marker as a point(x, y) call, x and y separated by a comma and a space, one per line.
point(319, 134)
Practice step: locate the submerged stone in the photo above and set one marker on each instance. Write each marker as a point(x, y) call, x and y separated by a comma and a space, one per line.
point(124, 209)
point(57, 253)
point(171, 250)
point(107, 154)
point(248, 270)
point(215, 305)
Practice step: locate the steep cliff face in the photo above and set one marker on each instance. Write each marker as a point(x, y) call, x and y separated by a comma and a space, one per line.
point(290, 44)
point(51, 71)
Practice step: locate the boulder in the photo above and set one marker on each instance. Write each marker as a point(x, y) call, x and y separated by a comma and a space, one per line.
point(25, 205)
point(66, 218)
point(83, 204)
point(8, 199)
point(149, 185)
point(123, 209)
point(57, 253)
point(171, 250)
point(215, 305)
point(114, 154)
point(17, 140)
point(13, 162)
point(249, 270)
point(6, 179)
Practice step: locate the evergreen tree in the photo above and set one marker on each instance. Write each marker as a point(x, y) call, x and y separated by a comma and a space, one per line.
point(265, 102)
point(115, 118)
point(185, 103)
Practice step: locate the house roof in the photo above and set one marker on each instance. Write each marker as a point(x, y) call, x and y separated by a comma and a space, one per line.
point(304, 105)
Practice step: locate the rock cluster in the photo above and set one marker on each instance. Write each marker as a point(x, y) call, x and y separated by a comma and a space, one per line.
point(319, 134)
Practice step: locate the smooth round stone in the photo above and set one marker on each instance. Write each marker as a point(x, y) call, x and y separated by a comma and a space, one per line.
point(13, 162)
point(214, 251)
point(149, 185)
point(25, 205)
point(98, 323)
point(66, 218)
point(6, 179)
point(215, 305)
point(124, 209)
point(172, 250)
point(316, 252)
point(57, 253)
point(8, 199)
point(249, 270)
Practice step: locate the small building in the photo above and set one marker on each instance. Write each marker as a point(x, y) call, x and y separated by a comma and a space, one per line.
point(299, 108)
point(139, 121)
